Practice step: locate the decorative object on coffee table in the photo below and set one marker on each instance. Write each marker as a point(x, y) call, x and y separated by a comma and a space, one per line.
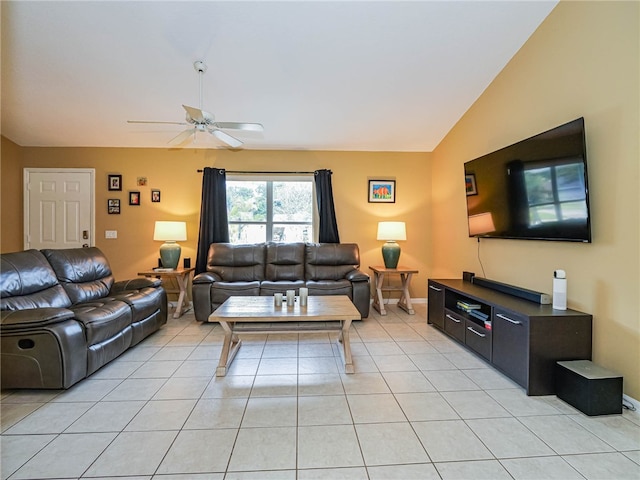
point(170, 233)
point(391, 231)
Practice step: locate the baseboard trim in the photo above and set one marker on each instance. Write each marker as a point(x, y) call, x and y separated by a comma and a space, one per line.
point(393, 301)
point(632, 401)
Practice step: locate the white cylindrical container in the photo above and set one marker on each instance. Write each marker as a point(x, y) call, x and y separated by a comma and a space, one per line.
point(291, 298)
point(304, 296)
point(277, 299)
point(559, 290)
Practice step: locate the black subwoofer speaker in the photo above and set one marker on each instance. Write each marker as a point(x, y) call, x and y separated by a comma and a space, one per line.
point(592, 389)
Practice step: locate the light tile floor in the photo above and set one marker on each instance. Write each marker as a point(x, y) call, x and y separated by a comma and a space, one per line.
point(418, 407)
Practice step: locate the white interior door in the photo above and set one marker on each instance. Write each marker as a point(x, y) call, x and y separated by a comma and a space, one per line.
point(59, 207)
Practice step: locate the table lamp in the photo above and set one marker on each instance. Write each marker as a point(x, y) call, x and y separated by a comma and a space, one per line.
point(170, 233)
point(391, 231)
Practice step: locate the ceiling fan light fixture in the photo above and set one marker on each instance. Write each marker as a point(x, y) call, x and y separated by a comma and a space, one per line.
point(201, 121)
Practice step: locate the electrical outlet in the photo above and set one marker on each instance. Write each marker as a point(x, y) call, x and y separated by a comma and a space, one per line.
point(110, 234)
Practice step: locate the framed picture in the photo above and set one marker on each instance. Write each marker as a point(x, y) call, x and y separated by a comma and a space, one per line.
point(470, 184)
point(115, 182)
point(155, 196)
point(382, 191)
point(134, 198)
point(142, 181)
point(113, 206)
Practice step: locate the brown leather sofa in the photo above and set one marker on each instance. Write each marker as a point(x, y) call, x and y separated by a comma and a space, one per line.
point(63, 316)
point(268, 268)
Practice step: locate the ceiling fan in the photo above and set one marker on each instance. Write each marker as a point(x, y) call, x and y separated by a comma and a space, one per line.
point(197, 120)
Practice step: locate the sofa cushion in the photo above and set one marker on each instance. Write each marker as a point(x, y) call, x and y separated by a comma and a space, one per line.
point(143, 302)
point(28, 281)
point(237, 263)
point(220, 291)
point(330, 287)
point(102, 320)
point(269, 288)
point(285, 261)
point(84, 273)
point(330, 261)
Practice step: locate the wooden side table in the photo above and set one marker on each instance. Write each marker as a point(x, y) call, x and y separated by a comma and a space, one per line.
point(405, 299)
point(181, 277)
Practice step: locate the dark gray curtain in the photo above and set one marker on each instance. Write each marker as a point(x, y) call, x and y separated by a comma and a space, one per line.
point(214, 225)
point(326, 209)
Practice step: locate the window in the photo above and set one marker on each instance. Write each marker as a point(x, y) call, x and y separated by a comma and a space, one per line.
point(278, 209)
point(556, 193)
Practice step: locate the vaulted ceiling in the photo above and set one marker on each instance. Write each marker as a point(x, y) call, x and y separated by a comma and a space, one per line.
point(340, 75)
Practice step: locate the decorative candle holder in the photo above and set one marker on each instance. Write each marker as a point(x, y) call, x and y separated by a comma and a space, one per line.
point(304, 296)
point(291, 298)
point(277, 299)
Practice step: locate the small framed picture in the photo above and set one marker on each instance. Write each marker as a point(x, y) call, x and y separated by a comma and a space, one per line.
point(134, 198)
point(115, 182)
point(155, 196)
point(142, 181)
point(470, 184)
point(113, 206)
point(382, 191)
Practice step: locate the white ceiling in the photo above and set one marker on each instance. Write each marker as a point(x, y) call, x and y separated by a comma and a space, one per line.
point(350, 75)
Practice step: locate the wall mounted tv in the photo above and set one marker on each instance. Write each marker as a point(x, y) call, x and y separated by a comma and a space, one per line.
point(535, 189)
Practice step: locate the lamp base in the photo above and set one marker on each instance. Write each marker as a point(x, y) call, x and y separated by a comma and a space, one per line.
point(170, 254)
point(391, 254)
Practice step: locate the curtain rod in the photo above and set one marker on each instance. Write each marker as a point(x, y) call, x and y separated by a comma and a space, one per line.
point(264, 172)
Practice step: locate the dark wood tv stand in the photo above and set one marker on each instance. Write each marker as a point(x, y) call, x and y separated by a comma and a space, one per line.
point(522, 339)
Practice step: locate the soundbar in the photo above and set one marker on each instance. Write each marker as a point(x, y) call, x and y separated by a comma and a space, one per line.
point(537, 297)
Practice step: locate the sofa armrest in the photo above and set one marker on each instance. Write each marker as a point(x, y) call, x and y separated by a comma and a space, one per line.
point(12, 320)
point(357, 276)
point(206, 277)
point(134, 284)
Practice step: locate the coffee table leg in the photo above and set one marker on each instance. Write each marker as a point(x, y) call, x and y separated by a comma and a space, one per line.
point(345, 351)
point(230, 347)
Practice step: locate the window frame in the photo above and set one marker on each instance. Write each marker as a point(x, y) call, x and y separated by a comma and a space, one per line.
point(269, 222)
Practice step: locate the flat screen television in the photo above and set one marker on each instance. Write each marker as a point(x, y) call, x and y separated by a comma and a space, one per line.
point(536, 189)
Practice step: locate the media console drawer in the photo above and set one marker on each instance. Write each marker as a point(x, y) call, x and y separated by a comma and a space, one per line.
point(454, 324)
point(478, 338)
point(522, 339)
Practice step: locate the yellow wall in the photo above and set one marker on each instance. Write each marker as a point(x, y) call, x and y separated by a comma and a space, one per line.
point(582, 61)
point(174, 173)
point(11, 197)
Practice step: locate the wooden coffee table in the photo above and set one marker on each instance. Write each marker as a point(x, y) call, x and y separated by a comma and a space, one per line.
point(259, 315)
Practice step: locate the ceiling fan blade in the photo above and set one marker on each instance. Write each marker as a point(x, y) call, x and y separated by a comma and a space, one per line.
point(226, 138)
point(194, 113)
point(149, 121)
point(253, 127)
point(182, 136)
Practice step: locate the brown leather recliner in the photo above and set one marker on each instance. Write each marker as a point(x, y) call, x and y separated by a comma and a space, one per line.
point(63, 316)
point(268, 268)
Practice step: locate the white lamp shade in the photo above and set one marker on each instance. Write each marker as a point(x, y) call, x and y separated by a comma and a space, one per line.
point(170, 231)
point(392, 231)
